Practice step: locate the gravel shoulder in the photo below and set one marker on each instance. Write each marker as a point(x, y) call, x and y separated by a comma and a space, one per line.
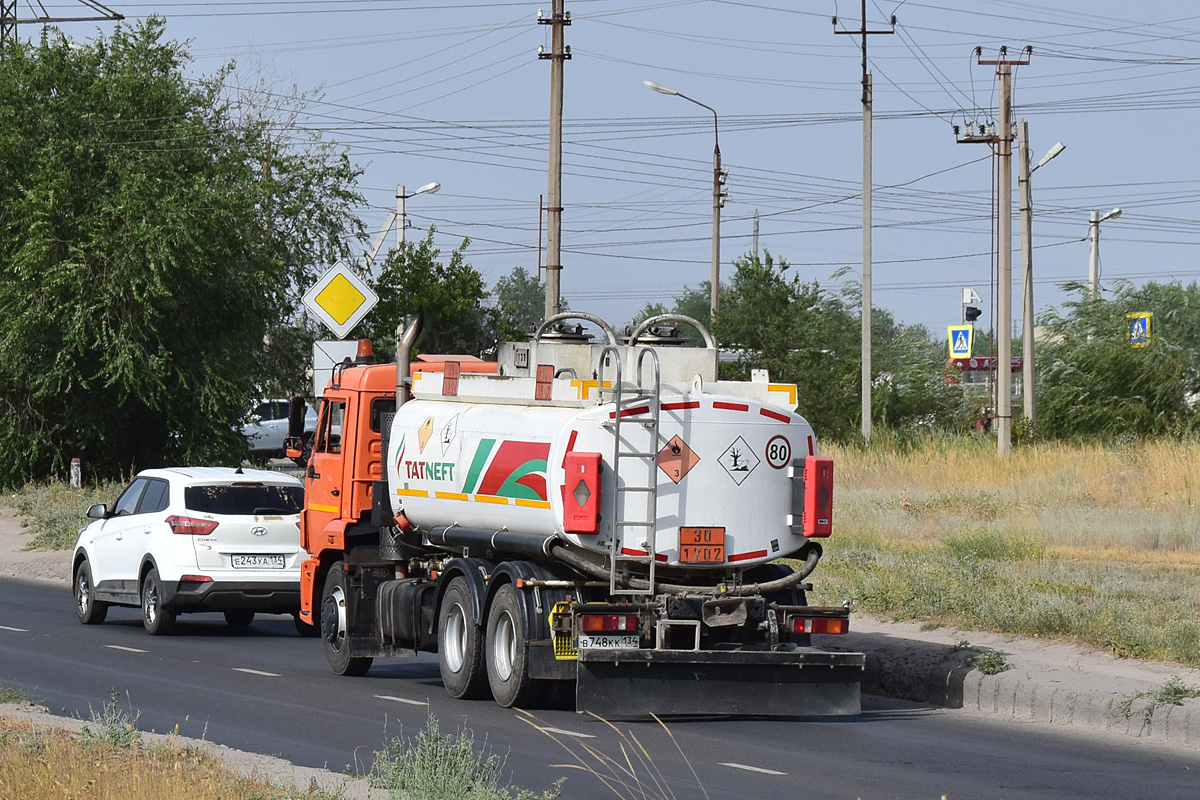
point(1047, 682)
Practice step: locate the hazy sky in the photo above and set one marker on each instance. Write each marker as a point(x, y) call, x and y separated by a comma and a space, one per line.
point(421, 90)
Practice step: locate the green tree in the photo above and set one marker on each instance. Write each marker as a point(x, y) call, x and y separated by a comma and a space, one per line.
point(452, 295)
point(152, 234)
point(1093, 384)
point(520, 302)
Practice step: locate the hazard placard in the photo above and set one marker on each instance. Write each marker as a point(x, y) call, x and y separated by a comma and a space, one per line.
point(340, 299)
point(677, 459)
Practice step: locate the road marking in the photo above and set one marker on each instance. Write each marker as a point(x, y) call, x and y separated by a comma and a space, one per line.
point(749, 768)
point(576, 734)
point(14, 630)
point(401, 700)
point(126, 649)
point(257, 672)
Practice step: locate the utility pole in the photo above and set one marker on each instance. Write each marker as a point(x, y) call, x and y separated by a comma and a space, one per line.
point(866, 213)
point(756, 234)
point(9, 20)
point(559, 53)
point(1094, 261)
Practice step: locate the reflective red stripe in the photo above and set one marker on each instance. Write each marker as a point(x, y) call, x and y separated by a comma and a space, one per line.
point(773, 415)
point(625, 551)
point(748, 556)
point(679, 406)
point(731, 406)
point(629, 412)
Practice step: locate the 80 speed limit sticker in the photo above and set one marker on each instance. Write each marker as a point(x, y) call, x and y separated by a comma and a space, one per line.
point(779, 452)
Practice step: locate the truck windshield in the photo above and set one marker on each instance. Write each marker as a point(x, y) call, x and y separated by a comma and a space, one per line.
point(244, 499)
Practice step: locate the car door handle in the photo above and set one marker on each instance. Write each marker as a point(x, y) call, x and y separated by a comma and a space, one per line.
point(146, 531)
point(334, 492)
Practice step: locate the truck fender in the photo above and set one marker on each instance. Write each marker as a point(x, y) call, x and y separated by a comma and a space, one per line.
point(535, 604)
point(477, 571)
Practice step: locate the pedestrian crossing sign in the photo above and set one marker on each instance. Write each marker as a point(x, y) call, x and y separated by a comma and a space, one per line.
point(961, 339)
point(1139, 329)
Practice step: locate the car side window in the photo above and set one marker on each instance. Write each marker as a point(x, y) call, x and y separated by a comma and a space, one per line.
point(329, 435)
point(279, 410)
point(127, 503)
point(155, 498)
point(264, 412)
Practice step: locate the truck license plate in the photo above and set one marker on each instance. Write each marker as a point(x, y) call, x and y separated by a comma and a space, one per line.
point(701, 545)
point(623, 642)
point(272, 561)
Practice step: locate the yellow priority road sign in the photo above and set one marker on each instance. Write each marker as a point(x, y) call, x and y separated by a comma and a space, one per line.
point(340, 299)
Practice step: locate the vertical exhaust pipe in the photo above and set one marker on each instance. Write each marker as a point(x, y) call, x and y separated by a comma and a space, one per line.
point(405, 339)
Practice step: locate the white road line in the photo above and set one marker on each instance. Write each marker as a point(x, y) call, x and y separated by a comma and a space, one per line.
point(401, 700)
point(576, 734)
point(126, 649)
point(14, 630)
point(749, 768)
point(257, 672)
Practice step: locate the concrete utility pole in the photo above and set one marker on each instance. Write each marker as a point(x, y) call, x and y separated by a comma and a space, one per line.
point(718, 195)
point(1094, 261)
point(866, 224)
point(559, 53)
point(1028, 371)
point(401, 217)
point(756, 233)
point(1002, 139)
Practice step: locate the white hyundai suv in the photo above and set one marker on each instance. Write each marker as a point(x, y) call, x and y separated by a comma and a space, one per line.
point(194, 539)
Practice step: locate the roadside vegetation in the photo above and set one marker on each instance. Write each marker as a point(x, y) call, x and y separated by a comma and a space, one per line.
point(109, 760)
point(54, 512)
point(1086, 543)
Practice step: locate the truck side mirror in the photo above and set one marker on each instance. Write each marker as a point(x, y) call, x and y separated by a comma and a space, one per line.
point(296, 418)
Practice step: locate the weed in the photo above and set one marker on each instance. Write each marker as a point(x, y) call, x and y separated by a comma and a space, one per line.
point(56, 512)
point(1172, 692)
point(114, 725)
point(437, 766)
point(991, 662)
point(10, 695)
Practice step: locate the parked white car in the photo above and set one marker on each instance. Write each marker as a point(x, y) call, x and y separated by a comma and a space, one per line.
point(266, 428)
point(194, 539)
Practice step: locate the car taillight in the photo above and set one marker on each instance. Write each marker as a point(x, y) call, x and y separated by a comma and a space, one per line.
point(190, 526)
point(607, 623)
point(820, 625)
point(195, 579)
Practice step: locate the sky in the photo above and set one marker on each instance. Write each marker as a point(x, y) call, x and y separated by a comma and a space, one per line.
point(453, 92)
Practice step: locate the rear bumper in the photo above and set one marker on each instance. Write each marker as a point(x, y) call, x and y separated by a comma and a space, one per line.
point(800, 682)
point(274, 597)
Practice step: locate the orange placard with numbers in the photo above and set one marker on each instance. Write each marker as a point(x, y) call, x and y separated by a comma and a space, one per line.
point(702, 545)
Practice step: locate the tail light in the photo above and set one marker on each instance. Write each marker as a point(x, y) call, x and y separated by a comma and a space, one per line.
point(190, 526)
point(608, 623)
point(836, 625)
point(195, 579)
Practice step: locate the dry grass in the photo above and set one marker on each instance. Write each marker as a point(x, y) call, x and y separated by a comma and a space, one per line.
point(38, 763)
point(1081, 542)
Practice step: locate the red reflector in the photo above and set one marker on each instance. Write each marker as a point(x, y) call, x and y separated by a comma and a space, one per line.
point(190, 526)
point(607, 623)
point(820, 625)
point(195, 579)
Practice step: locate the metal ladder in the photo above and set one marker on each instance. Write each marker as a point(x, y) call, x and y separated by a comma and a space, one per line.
point(648, 421)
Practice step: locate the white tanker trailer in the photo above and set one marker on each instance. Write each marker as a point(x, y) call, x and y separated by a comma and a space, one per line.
point(590, 519)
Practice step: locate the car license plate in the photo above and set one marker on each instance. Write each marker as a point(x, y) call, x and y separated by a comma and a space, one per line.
point(622, 642)
point(273, 561)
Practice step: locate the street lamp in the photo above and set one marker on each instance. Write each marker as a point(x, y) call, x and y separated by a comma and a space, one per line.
point(718, 201)
point(1094, 264)
point(401, 219)
point(1027, 351)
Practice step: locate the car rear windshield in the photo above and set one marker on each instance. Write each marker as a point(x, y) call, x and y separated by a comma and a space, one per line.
point(244, 498)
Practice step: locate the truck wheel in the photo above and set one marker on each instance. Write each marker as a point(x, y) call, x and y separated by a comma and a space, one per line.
point(335, 625)
point(156, 619)
point(89, 610)
point(507, 669)
point(239, 617)
point(460, 644)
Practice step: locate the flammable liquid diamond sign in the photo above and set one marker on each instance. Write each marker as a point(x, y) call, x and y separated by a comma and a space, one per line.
point(340, 299)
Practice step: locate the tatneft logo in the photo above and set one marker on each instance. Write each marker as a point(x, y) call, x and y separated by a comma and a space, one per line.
point(259, 530)
point(429, 470)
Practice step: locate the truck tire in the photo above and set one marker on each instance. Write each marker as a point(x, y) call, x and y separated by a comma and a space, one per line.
point(336, 624)
point(89, 610)
point(239, 617)
point(156, 619)
point(305, 629)
point(460, 644)
point(507, 665)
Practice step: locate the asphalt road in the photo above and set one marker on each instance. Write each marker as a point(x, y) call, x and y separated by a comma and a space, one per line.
point(266, 690)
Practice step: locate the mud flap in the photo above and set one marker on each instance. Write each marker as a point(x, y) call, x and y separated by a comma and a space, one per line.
point(802, 682)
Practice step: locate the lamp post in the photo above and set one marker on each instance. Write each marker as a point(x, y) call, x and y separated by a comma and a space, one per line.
point(1027, 352)
point(401, 219)
point(1094, 263)
point(717, 199)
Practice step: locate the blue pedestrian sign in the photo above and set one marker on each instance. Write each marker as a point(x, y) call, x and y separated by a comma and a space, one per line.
point(1139, 328)
point(961, 339)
